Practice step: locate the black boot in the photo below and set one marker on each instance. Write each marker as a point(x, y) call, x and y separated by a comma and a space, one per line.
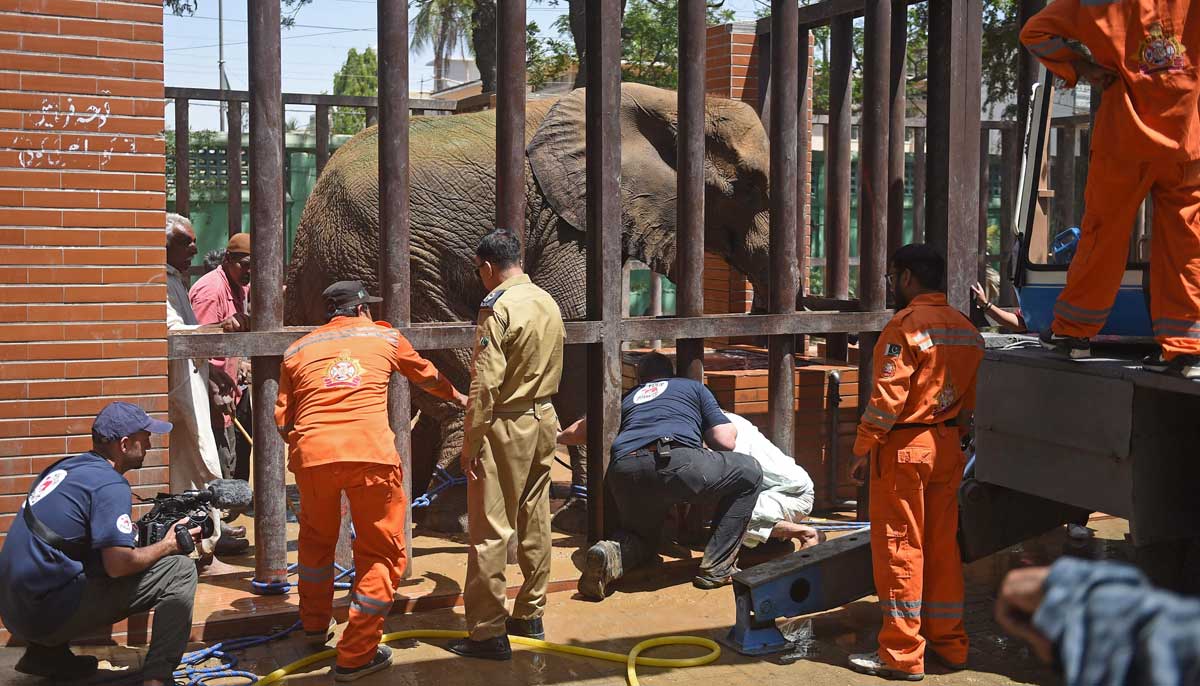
point(529, 628)
point(56, 662)
point(496, 648)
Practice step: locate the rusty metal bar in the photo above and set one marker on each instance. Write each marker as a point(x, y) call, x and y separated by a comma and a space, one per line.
point(689, 197)
point(825, 12)
point(1009, 161)
point(897, 130)
point(985, 181)
point(217, 95)
point(372, 114)
point(603, 146)
point(781, 384)
point(183, 183)
point(233, 168)
point(955, 65)
point(918, 186)
point(510, 117)
point(394, 274)
point(804, 84)
point(873, 151)
point(837, 175)
point(322, 137)
point(266, 185)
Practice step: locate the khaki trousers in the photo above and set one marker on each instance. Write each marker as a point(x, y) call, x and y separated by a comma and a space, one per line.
point(512, 493)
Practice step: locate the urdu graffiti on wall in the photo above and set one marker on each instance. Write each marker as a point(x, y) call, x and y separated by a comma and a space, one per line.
point(48, 151)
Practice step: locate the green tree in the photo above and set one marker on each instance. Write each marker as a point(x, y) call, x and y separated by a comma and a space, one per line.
point(188, 7)
point(359, 75)
point(444, 25)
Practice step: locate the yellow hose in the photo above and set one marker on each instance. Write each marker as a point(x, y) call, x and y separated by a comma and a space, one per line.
point(632, 660)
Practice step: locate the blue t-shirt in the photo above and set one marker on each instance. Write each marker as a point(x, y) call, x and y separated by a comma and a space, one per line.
point(679, 409)
point(81, 499)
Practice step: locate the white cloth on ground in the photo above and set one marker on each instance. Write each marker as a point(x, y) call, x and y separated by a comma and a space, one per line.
point(193, 450)
point(788, 490)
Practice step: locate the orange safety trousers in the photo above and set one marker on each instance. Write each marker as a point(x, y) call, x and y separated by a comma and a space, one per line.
point(914, 546)
point(376, 496)
point(1115, 190)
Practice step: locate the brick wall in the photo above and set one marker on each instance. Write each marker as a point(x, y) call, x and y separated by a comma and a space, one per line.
point(82, 314)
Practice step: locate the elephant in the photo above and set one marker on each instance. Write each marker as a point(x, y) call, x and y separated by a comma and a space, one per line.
point(453, 186)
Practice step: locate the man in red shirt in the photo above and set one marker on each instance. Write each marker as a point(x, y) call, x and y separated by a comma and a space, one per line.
point(332, 411)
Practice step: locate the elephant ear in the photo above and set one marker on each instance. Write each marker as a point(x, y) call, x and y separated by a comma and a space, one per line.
point(648, 125)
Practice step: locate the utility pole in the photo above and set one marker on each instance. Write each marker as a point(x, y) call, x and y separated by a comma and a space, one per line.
point(222, 82)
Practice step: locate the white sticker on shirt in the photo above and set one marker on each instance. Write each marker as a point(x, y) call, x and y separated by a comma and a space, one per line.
point(124, 525)
point(47, 486)
point(649, 392)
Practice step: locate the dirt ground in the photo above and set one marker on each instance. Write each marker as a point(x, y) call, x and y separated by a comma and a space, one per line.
point(626, 618)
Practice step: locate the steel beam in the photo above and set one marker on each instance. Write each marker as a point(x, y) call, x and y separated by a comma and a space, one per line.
point(689, 196)
point(394, 277)
point(897, 130)
point(785, 57)
point(183, 184)
point(720, 326)
point(955, 64)
point(510, 117)
point(322, 137)
point(266, 187)
point(217, 95)
point(233, 169)
point(603, 146)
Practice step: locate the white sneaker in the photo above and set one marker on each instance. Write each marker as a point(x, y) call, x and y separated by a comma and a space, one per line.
point(872, 665)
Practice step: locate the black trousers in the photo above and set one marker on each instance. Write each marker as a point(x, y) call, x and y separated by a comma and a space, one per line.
point(645, 485)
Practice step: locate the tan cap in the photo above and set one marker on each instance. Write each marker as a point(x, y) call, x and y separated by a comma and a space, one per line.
point(239, 242)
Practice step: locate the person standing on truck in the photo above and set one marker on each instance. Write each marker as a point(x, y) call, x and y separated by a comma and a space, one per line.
point(1143, 55)
point(909, 437)
point(332, 411)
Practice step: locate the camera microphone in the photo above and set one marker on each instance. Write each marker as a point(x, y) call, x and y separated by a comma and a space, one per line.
point(230, 493)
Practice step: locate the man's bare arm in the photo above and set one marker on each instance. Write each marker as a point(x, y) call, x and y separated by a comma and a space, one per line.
point(576, 434)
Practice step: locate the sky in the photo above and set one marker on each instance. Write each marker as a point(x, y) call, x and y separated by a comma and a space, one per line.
point(312, 51)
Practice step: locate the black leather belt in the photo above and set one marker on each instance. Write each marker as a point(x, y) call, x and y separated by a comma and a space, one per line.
point(953, 421)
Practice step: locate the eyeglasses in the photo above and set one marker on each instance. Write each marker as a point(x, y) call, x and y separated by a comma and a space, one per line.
point(890, 277)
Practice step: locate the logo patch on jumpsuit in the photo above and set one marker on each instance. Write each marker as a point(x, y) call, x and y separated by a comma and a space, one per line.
point(649, 392)
point(946, 397)
point(888, 371)
point(1160, 52)
point(345, 372)
point(893, 350)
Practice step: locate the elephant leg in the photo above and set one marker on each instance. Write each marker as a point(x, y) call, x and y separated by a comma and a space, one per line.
point(571, 404)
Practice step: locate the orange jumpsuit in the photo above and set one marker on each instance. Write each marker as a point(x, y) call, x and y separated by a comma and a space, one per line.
point(1146, 140)
point(925, 366)
point(332, 408)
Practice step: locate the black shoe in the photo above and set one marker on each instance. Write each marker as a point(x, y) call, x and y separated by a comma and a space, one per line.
point(529, 628)
point(1185, 367)
point(318, 640)
point(56, 662)
point(382, 660)
point(708, 581)
point(1071, 348)
point(496, 648)
point(601, 567)
point(1155, 363)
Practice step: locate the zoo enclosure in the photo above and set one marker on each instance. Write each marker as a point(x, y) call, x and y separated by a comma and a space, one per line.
point(953, 169)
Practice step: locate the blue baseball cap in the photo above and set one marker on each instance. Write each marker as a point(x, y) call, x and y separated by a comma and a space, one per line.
point(118, 420)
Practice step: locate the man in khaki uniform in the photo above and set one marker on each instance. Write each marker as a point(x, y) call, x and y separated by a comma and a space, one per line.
point(508, 448)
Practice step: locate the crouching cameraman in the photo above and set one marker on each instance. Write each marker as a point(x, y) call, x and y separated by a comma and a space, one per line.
point(70, 564)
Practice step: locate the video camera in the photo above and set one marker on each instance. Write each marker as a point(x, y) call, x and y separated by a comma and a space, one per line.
point(195, 505)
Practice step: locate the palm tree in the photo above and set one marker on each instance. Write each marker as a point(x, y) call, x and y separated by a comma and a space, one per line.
point(444, 24)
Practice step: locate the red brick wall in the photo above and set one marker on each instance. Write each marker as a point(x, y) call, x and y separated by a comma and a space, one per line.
point(82, 315)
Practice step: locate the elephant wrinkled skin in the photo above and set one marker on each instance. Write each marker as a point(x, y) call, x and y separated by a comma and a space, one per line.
point(452, 167)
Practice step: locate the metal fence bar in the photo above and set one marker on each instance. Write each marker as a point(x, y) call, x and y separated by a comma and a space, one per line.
point(920, 169)
point(804, 86)
point(985, 181)
point(510, 117)
point(217, 95)
point(873, 151)
point(837, 161)
point(785, 66)
point(603, 145)
point(1009, 161)
point(233, 169)
point(322, 137)
point(897, 129)
point(689, 198)
point(394, 277)
point(183, 186)
point(266, 186)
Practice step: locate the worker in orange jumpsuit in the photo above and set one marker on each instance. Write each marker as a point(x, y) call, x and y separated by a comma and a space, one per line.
point(332, 411)
point(909, 438)
point(1144, 55)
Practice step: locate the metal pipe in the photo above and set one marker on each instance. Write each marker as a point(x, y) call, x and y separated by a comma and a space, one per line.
point(804, 81)
point(510, 117)
point(689, 197)
point(233, 168)
point(603, 146)
point(918, 186)
point(394, 277)
point(1064, 182)
point(322, 137)
point(985, 187)
point(897, 131)
point(874, 148)
point(183, 184)
point(266, 186)
point(1009, 161)
point(837, 185)
point(785, 54)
